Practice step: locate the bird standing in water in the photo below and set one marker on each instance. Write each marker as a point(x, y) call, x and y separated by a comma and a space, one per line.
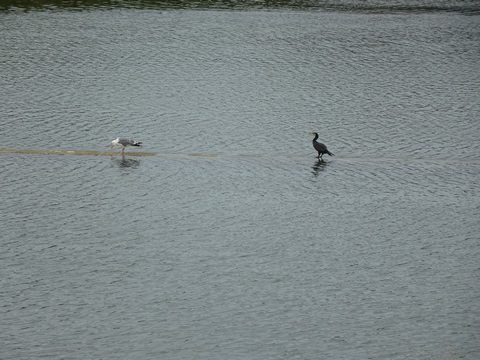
point(321, 148)
point(124, 142)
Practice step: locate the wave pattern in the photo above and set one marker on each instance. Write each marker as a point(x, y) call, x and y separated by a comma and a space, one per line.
point(211, 235)
point(261, 251)
point(232, 83)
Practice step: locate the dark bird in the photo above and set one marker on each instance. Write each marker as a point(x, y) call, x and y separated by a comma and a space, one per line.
point(124, 142)
point(321, 148)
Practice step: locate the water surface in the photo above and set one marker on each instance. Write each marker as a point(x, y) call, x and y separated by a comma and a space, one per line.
point(257, 250)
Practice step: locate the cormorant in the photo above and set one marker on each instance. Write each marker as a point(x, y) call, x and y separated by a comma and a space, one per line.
point(321, 148)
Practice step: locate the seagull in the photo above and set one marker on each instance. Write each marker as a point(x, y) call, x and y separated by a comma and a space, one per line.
point(124, 142)
point(321, 148)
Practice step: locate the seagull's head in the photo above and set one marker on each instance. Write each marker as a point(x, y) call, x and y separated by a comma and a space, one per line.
point(114, 142)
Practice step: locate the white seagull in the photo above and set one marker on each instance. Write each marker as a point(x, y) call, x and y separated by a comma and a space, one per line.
point(124, 142)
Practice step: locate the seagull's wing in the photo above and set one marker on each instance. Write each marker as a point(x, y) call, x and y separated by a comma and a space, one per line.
point(126, 142)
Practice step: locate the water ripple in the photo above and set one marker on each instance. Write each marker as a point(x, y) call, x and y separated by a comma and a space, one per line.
point(242, 242)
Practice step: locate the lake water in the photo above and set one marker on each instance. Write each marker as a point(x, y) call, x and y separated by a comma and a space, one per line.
point(233, 241)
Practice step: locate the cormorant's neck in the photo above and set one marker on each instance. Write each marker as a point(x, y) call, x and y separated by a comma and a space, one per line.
point(315, 138)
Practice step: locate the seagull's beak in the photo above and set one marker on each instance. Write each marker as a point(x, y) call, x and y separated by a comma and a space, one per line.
point(111, 147)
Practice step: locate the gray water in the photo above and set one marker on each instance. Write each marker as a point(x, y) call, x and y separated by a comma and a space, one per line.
point(254, 250)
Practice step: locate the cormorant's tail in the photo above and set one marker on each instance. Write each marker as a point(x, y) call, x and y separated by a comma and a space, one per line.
point(331, 154)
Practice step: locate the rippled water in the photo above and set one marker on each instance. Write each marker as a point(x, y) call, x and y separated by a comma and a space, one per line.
point(256, 251)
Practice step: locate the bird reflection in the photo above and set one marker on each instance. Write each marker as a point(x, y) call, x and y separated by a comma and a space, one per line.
point(125, 162)
point(319, 166)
